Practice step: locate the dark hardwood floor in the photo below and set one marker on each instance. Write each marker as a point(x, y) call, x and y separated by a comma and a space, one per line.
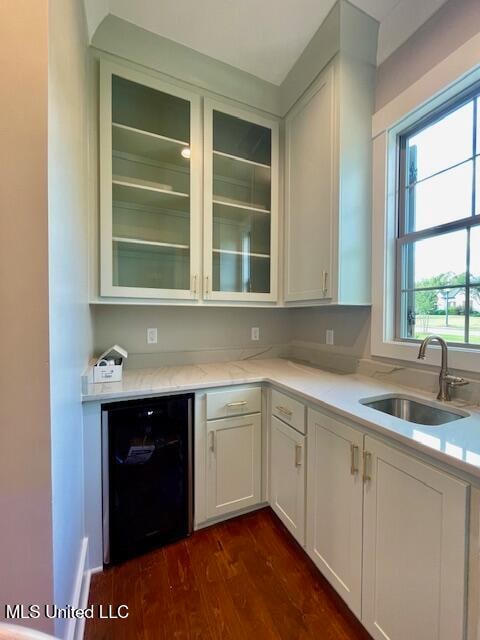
point(244, 578)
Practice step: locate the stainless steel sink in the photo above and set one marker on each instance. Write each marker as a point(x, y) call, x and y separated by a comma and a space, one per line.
point(413, 410)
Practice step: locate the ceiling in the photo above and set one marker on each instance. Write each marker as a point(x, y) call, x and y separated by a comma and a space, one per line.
point(262, 37)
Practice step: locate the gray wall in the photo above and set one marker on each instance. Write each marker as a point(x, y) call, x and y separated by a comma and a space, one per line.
point(451, 26)
point(189, 334)
point(70, 325)
point(25, 487)
point(350, 324)
point(205, 335)
point(129, 42)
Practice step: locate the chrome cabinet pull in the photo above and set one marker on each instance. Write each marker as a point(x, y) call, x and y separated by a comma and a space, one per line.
point(298, 455)
point(194, 284)
point(353, 459)
point(285, 411)
point(325, 282)
point(367, 459)
point(238, 403)
point(206, 285)
point(212, 441)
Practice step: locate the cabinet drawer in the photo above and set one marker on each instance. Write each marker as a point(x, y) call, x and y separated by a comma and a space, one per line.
point(289, 410)
point(236, 402)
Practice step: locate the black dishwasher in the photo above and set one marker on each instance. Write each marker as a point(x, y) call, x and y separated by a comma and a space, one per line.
point(147, 459)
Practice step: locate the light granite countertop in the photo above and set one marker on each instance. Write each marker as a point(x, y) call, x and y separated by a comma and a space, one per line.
point(456, 443)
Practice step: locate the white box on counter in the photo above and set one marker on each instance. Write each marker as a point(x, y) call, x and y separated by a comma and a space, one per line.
point(109, 366)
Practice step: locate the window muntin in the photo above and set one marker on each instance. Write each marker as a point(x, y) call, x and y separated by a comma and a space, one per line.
point(454, 130)
point(438, 240)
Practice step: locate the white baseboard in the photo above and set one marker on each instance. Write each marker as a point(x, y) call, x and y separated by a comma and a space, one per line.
point(75, 627)
point(80, 626)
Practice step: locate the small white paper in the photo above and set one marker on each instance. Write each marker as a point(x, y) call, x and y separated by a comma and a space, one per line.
point(139, 453)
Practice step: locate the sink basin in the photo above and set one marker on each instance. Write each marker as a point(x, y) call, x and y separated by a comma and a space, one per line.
point(412, 410)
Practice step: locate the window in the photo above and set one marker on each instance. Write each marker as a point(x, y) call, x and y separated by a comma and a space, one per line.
point(438, 239)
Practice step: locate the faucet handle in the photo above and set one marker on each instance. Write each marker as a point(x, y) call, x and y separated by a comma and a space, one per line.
point(455, 381)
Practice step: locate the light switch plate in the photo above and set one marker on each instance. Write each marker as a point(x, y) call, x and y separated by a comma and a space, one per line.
point(255, 334)
point(330, 336)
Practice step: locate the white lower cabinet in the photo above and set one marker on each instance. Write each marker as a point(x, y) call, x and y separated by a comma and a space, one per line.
point(287, 477)
point(233, 464)
point(411, 583)
point(334, 505)
point(415, 532)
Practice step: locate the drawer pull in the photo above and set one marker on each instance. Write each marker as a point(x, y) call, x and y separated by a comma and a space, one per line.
point(212, 441)
point(238, 403)
point(298, 455)
point(353, 459)
point(367, 459)
point(285, 411)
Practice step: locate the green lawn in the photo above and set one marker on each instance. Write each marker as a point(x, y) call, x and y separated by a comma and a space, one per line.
point(454, 332)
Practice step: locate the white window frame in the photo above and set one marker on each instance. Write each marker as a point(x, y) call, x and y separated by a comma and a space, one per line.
point(449, 78)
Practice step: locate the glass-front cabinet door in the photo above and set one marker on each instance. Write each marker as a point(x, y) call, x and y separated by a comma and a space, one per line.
point(150, 180)
point(240, 204)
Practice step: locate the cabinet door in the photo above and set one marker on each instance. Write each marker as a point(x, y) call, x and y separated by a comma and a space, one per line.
point(310, 191)
point(414, 548)
point(287, 477)
point(240, 204)
point(233, 464)
point(151, 167)
point(334, 505)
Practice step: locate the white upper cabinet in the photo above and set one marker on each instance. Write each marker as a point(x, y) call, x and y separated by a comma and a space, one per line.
point(151, 168)
point(240, 204)
point(154, 224)
point(309, 170)
point(327, 188)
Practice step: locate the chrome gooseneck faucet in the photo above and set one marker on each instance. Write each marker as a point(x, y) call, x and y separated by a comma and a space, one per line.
point(445, 381)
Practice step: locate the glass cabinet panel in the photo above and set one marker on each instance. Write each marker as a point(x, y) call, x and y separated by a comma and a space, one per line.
point(241, 206)
point(150, 232)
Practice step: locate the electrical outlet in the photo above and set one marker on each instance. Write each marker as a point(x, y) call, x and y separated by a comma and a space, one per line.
point(255, 333)
point(152, 336)
point(330, 336)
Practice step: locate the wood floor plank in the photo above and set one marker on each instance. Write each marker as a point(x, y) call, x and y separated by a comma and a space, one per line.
point(286, 619)
point(101, 592)
point(156, 596)
point(322, 609)
point(223, 618)
point(256, 619)
point(241, 579)
point(186, 603)
point(127, 589)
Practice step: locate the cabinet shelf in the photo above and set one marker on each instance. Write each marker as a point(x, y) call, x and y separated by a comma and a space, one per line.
point(221, 202)
point(242, 253)
point(148, 193)
point(149, 145)
point(221, 154)
point(150, 243)
point(238, 172)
